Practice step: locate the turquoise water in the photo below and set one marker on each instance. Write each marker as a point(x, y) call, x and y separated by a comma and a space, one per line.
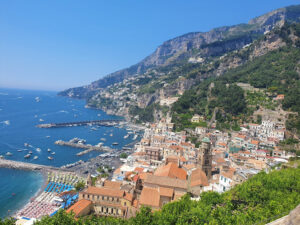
point(16, 189)
point(19, 115)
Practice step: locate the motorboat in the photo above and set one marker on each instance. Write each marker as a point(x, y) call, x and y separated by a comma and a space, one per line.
point(35, 157)
point(27, 156)
point(50, 158)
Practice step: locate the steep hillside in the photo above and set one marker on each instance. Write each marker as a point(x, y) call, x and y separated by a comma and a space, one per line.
point(259, 200)
point(198, 45)
point(272, 73)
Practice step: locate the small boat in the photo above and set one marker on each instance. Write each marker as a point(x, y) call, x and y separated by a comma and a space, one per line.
point(30, 152)
point(37, 99)
point(102, 139)
point(126, 136)
point(52, 153)
point(26, 144)
point(38, 150)
point(99, 115)
point(20, 150)
point(27, 156)
point(115, 143)
point(111, 135)
point(50, 158)
point(49, 150)
point(94, 128)
point(48, 136)
point(8, 154)
point(41, 120)
point(1, 157)
point(35, 157)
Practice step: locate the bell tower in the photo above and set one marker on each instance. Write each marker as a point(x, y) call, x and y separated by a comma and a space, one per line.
point(205, 157)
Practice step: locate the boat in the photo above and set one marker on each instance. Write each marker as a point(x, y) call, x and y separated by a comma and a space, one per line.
point(50, 158)
point(35, 157)
point(102, 139)
point(49, 150)
point(37, 99)
point(26, 144)
point(48, 136)
point(99, 115)
point(20, 150)
point(111, 135)
point(27, 156)
point(1, 157)
point(135, 137)
point(52, 153)
point(115, 143)
point(8, 154)
point(94, 128)
point(41, 120)
point(30, 152)
point(126, 136)
point(38, 149)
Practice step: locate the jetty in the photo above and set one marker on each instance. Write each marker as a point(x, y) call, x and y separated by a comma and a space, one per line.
point(11, 164)
point(107, 123)
point(88, 147)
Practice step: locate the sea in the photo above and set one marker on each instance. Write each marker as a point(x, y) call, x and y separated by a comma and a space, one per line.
point(20, 112)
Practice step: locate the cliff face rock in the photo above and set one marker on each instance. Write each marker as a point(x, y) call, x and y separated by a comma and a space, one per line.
point(206, 44)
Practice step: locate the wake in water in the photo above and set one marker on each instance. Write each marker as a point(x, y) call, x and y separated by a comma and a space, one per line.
point(5, 122)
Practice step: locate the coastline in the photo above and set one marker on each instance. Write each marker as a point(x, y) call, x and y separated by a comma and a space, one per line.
point(42, 181)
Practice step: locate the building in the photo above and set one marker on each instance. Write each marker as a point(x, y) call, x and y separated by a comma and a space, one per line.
point(205, 157)
point(153, 153)
point(107, 202)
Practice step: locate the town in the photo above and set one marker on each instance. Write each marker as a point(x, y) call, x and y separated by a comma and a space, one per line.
point(165, 166)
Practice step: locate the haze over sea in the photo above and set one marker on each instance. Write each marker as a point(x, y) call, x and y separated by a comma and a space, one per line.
point(19, 115)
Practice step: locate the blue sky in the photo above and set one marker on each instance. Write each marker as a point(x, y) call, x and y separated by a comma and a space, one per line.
point(56, 44)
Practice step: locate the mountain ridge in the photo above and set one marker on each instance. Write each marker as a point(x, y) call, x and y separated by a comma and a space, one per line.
point(184, 45)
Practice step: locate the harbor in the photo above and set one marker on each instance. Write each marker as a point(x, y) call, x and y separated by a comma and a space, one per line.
point(107, 123)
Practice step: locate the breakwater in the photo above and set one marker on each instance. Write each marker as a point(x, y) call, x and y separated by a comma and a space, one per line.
point(11, 164)
point(88, 147)
point(107, 123)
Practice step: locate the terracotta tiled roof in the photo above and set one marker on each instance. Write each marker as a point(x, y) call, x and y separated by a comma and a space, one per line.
point(149, 197)
point(176, 148)
point(198, 177)
point(222, 144)
point(182, 159)
point(128, 197)
point(104, 191)
point(139, 169)
point(229, 173)
point(220, 160)
point(166, 181)
point(79, 206)
point(168, 192)
point(112, 184)
point(143, 176)
point(171, 170)
point(254, 142)
point(189, 166)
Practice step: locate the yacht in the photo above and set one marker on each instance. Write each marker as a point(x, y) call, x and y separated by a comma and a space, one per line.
point(20, 150)
point(49, 150)
point(38, 149)
point(26, 144)
point(30, 152)
point(35, 157)
point(115, 143)
point(50, 158)
point(48, 136)
point(27, 156)
point(52, 153)
point(37, 99)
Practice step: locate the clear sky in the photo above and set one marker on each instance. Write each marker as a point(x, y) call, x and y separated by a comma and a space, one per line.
point(56, 44)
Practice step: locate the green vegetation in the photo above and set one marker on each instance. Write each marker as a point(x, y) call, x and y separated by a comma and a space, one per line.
point(79, 186)
point(259, 200)
point(260, 99)
point(123, 155)
point(276, 72)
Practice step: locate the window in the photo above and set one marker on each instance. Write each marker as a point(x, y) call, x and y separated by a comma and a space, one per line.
point(83, 195)
point(124, 203)
point(88, 196)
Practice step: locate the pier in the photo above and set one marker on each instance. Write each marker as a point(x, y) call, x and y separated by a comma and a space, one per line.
point(88, 147)
point(11, 164)
point(107, 123)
